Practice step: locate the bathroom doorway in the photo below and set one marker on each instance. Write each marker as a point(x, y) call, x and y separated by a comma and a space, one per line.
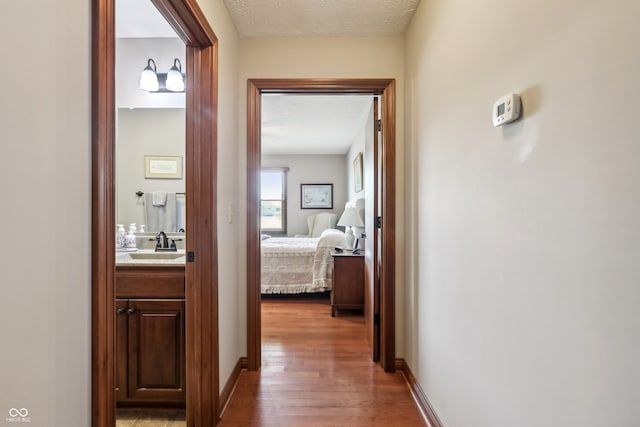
point(201, 355)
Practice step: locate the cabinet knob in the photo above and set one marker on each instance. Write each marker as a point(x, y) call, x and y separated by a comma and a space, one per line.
point(120, 311)
point(131, 311)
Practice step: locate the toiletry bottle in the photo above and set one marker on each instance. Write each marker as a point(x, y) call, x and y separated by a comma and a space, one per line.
point(131, 238)
point(121, 236)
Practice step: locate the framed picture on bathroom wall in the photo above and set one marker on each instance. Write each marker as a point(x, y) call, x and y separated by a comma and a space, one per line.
point(163, 167)
point(357, 173)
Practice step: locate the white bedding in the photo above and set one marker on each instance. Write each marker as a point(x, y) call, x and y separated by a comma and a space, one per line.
point(292, 265)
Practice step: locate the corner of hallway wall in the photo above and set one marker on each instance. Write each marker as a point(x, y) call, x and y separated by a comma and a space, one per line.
point(522, 257)
point(45, 256)
point(231, 243)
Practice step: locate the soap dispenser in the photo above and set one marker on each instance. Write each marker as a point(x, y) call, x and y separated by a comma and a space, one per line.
point(121, 237)
point(131, 237)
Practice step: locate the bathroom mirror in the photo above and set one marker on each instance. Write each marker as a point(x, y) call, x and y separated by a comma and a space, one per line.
point(150, 126)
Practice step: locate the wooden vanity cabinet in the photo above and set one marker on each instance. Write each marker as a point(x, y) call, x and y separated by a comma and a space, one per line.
point(150, 335)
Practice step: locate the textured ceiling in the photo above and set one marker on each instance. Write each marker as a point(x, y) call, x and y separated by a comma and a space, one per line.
point(331, 18)
point(311, 124)
point(269, 18)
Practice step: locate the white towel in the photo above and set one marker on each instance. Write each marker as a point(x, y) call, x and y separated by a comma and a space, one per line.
point(160, 218)
point(159, 198)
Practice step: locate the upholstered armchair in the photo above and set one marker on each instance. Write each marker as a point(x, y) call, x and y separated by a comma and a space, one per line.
point(319, 222)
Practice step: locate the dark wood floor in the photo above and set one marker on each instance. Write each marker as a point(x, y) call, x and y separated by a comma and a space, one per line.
point(316, 371)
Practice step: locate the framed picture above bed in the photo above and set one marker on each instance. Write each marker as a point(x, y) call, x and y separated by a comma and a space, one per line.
point(316, 196)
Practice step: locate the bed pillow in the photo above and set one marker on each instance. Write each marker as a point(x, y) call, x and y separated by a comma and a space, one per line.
point(264, 236)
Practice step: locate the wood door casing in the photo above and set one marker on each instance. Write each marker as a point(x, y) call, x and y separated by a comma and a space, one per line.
point(386, 89)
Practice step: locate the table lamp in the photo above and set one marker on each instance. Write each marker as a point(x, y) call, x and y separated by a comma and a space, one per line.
point(349, 219)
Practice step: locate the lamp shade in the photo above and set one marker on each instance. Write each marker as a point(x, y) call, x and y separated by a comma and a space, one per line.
point(175, 80)
point(350, 218)
point(149, 78)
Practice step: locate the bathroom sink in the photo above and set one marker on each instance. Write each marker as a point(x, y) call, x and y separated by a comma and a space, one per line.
point(156, 255)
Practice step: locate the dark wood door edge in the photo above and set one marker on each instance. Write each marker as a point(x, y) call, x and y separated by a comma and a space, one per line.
point(201, 277)
point(102, 216)
point(384, 87)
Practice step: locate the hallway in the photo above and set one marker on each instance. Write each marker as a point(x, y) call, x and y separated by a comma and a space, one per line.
point(317, 372)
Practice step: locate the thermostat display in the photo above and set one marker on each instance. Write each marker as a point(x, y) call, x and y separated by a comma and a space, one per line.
point(506, 109)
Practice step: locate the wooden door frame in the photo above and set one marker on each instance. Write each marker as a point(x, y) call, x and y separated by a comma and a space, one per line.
point(201, 294)
point(384, 87)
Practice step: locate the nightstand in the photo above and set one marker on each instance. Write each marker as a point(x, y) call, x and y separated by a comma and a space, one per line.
point(348, 282)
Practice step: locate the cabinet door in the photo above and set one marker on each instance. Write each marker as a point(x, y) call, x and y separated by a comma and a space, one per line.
point(156, 350)
point(121, 348)
point(348, 286)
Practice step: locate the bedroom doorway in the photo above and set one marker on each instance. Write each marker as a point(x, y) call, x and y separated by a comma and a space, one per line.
point(385, 90)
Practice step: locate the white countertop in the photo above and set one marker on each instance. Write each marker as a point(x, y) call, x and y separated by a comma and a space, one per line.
point(125, 258)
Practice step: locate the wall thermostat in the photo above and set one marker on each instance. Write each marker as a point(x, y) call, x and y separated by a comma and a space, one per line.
point(506, 109)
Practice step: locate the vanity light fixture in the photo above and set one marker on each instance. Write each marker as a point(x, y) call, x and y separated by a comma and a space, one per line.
point(152, 81)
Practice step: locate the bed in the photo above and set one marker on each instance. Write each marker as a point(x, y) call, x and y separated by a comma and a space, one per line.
point(294, 265)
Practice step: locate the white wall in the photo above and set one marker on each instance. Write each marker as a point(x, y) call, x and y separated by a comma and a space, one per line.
point(319, 57)
point(364, 134)
point(318, 169)
point(363, 139)
point(45, 253)
point(46, 142)
point(142, 132)
point(522, 298)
